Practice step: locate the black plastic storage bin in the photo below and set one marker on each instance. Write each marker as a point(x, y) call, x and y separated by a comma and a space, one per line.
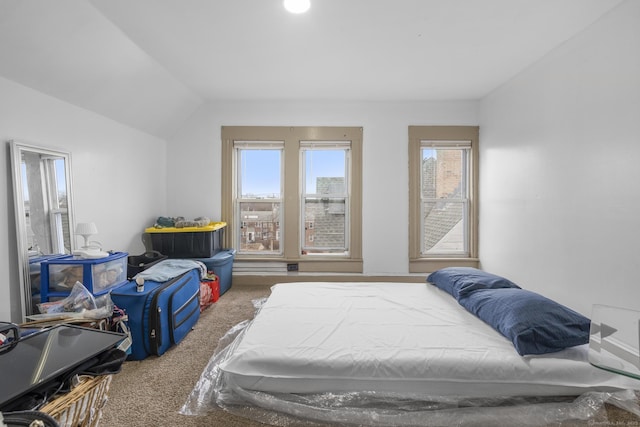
point(138, 263)
point(187, 242)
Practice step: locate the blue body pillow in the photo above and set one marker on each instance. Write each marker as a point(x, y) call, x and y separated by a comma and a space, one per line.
point(459, 281)
point(533, 323)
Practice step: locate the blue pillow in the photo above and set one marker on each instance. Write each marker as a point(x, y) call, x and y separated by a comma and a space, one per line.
point(533, 323)
point(459, 281)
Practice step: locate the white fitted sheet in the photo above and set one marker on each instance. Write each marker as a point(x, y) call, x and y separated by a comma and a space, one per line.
point(408, 339)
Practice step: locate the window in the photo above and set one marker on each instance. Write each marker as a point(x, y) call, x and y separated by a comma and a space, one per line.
point(293, 194)
point(325, 196)
point(50, 205)
point(258, 194)
point(443, 189)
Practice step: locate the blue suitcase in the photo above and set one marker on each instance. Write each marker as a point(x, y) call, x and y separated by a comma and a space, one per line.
point(161, 315)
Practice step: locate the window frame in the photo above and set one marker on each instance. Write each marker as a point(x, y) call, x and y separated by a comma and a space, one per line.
point(418, 262)
point(305, 148)
point(293, 137)
point(250, 236)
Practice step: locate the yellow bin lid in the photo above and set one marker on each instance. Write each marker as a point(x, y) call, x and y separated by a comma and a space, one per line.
point(211, 227)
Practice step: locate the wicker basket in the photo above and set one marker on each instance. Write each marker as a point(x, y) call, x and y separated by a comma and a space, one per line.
point(82, 406)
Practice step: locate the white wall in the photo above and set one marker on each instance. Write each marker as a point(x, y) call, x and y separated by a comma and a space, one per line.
point(118, 175)
point(194, 178)
point(560, 169)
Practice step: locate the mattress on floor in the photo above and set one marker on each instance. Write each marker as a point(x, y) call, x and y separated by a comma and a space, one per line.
point(408, 339)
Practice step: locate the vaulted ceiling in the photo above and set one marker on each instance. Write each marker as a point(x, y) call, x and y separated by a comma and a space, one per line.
point(151, 63)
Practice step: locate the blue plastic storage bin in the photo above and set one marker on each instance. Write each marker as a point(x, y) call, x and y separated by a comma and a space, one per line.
point(222, 266)
point(99, 275)
point(35, 270)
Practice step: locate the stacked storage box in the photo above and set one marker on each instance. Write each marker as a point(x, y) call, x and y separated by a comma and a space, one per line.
point(187, 242)
point(199, 243)
point(35, 270)
point(99, 276)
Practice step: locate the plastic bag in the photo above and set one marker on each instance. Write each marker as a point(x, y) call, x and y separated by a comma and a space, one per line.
point(80, 302)
point(214, 391)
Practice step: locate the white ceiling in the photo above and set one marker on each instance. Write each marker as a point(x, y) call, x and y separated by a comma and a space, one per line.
point(150, 63)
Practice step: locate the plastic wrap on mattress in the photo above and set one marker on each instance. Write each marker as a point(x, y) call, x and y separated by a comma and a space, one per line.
point(214, 391)
point(396, 338)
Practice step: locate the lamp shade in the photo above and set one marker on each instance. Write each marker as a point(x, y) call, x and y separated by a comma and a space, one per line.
point(86, 229)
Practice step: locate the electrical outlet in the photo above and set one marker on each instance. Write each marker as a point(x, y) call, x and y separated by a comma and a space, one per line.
point(292, 267)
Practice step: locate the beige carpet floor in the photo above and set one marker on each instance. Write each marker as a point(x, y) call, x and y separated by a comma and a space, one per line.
point(152, 391)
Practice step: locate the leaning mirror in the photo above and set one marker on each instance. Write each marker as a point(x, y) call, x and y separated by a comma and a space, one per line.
point(43, 211)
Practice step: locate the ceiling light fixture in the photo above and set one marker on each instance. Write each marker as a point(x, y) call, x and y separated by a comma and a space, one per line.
point(297, 6)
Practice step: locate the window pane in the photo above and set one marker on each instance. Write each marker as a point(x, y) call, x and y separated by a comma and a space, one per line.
point(260, 227)
point(324, 201)
point(443, 173)
point(59, 211)
point(444, 227)
point(444, 201)
point(259, 178)
point(324, 225)
point(259, 174)
point(324, 171)
point(61, 185)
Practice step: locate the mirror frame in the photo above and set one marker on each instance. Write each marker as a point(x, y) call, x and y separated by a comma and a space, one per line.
point(17, 149)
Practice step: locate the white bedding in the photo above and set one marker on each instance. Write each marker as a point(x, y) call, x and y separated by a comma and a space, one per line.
point(410, 339)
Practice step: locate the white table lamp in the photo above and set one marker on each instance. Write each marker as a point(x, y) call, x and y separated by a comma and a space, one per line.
point(86, 230)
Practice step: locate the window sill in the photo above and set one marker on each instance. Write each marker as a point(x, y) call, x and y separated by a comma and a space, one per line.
point(428, 265)
point(304, 265)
